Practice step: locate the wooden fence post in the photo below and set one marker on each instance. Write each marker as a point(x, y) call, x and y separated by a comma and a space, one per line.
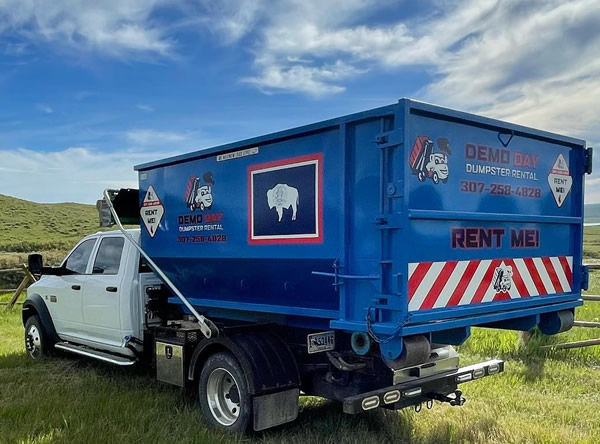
point(22, 286)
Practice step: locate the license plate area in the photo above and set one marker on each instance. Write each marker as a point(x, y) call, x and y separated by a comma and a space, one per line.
point(320, 342)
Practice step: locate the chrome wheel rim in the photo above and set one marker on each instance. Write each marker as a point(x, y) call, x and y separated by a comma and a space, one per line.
point(223, 396)
point(33, 342)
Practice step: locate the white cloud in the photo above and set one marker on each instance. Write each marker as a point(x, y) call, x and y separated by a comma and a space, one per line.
point(74, 174)
point(311, 80)
point(144, 107)
point(152, 137)
point(536, 62)
point(14, 49)
point(232, 19)
point(44, 108)
point(112, 27)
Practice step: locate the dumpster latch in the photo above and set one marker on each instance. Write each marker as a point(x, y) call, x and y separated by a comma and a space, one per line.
point(390, 138)
point(338, 278)
point(589, 152)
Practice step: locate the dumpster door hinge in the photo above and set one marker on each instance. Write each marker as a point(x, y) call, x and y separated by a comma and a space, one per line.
point(585, 277)
point(589, 154)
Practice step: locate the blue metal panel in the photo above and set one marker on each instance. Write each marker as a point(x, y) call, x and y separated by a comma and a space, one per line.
point(327, 221)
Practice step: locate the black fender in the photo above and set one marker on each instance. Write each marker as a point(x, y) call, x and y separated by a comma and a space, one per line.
point(35, 303)
point(267, 361)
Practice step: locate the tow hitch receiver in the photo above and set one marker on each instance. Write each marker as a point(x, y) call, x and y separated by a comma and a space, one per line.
point(442, 387)
point(458, 399)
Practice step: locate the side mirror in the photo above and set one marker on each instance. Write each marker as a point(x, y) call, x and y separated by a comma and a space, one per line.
point(35, 263)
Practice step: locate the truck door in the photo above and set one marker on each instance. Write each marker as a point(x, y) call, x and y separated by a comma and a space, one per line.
point(64, 293)
point(101, 296)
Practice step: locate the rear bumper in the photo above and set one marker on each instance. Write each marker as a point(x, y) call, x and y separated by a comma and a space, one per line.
point(421, 390)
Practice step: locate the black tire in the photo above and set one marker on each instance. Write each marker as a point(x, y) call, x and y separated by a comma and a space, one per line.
point(225, 364)
point(436, 178)
point(37, 343)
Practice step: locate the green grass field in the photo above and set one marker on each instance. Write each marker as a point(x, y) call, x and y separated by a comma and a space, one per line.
point(543, 397)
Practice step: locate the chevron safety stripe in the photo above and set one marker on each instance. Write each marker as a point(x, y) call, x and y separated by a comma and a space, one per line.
point(452, 283)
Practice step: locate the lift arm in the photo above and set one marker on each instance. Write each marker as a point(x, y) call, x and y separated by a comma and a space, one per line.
point(208, 328)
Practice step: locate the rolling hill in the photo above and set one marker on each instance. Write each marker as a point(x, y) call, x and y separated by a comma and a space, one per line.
point(27, 226)
point(51, 229)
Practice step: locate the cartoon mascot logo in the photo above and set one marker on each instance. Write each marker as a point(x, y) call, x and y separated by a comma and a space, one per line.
point(503, 278)
point(199, 195)
point(425, 163)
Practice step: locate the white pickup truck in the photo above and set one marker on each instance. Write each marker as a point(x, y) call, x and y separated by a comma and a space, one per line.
point(94, 299)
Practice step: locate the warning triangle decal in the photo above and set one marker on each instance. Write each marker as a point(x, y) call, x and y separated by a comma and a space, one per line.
point(560, 180)
point(152, 211)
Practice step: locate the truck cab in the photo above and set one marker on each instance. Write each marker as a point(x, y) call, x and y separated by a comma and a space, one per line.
point(94, 298)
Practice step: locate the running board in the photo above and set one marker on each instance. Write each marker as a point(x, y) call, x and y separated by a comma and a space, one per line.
point(96, 354)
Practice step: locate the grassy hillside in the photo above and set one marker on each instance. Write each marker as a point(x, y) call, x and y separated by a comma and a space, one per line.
point(592, 213)
point(28, 226)
point(51, 229)
point(591, 243)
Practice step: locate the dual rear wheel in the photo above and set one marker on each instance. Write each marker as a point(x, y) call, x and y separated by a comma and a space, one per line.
point(223, 392)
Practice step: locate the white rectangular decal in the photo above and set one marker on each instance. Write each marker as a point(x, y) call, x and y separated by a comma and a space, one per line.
point(237, 154)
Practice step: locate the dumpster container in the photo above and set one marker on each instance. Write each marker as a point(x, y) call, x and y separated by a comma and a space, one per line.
point(409, 219)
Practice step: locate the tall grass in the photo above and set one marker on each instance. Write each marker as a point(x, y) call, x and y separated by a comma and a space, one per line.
point(539, 399)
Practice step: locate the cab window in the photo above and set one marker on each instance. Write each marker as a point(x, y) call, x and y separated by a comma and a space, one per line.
point(108, 258)
point(79, 258)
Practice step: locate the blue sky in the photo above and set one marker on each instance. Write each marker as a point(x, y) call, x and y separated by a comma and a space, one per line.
point(88, 89)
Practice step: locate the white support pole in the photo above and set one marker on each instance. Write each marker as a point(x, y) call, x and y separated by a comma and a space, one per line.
point(207, 327)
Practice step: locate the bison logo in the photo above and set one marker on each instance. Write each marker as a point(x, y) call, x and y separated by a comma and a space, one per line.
point(283, 196)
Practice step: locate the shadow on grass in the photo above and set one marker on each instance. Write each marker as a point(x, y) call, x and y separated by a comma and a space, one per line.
point(324, 422)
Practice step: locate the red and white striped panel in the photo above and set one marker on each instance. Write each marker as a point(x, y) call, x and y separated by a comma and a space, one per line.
point(451, 283)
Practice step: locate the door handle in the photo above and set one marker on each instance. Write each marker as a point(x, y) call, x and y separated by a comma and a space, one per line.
point(111, 289)
point(76, 287)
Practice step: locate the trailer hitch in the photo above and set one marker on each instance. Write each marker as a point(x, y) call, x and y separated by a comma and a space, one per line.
point(457, 400)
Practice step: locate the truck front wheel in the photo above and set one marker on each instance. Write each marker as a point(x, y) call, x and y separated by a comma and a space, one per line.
point(223, 391)
point(35, 340)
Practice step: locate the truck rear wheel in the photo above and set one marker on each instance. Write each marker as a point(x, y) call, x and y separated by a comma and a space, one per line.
point(223, 391)
point(36, 342)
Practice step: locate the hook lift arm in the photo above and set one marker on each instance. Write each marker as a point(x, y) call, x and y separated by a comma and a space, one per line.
point(208, 328)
